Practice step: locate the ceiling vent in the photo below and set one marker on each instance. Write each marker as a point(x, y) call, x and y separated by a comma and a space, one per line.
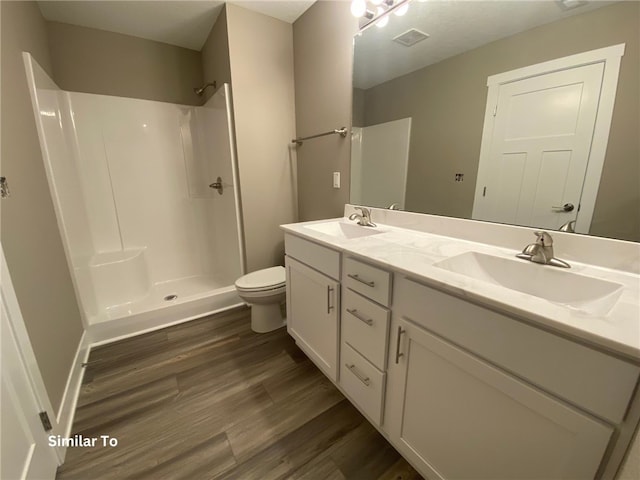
point(410, 37)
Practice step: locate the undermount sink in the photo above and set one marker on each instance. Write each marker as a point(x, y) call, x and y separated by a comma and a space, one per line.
point(343, 229)
point(585, 294)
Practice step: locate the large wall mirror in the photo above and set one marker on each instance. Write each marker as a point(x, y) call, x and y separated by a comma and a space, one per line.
point(474, 109)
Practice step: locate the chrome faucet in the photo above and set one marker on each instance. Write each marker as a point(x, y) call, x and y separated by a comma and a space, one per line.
point(364, 218)
point(542, 251)
point(394, 206)
point(569, 227)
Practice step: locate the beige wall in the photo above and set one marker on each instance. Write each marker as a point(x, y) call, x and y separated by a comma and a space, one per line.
point(95, 61)
point(30, 235)
point(215, 55)
point(260, 48)
point(322, 43)
point(447, 102)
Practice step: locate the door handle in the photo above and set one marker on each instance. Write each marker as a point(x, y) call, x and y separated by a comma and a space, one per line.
point(567, 207)
point(217, 185)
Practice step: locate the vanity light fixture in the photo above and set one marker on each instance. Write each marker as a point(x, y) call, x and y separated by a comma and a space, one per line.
point(358, 8)
point(401, 10)
point(384, 19)
point(378, 10)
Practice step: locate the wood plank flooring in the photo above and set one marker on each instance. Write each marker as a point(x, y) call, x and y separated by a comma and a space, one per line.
point(210, 399)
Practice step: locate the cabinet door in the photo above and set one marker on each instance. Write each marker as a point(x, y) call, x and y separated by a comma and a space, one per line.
point(458, 417)
point(312, 314)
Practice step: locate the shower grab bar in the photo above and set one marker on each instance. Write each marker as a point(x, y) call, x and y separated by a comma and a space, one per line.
point(342, 131)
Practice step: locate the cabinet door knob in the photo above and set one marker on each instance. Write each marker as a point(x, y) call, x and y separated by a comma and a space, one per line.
point(329, 306)
point(398, 338)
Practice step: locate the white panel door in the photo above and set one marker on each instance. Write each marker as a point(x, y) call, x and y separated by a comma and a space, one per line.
point(457, 417)
point(539, 149)
point(24, 449)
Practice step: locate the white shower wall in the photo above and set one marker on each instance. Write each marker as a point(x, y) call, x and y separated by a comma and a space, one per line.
point(131, 178)
point(136, 147)
point(379, 162)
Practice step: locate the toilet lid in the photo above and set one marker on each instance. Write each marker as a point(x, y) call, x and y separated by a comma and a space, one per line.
point(262, 279)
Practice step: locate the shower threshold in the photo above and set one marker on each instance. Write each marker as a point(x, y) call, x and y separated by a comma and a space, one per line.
point(167, 303)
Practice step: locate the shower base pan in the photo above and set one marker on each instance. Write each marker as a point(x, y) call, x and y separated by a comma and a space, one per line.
point(167, 303)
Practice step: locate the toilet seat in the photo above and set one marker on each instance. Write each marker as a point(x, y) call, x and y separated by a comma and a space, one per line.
point(263, 280)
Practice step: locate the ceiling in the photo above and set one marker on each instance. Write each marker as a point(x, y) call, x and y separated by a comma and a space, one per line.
point(453, 27)
point(184, 23)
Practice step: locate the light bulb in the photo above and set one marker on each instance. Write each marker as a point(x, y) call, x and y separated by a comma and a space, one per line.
point(384, 20)
point(402, 10)
point(358, 8)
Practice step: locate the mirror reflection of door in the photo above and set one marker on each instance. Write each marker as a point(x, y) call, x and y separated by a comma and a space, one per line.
point(537, 148)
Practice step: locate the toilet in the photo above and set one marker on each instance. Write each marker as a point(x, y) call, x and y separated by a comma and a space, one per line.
point(264, 291)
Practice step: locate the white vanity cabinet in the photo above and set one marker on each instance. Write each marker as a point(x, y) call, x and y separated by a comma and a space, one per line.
point(366, 294)
point(455, 414)
point(459, 417)
point(313, 301)
point(462, 385)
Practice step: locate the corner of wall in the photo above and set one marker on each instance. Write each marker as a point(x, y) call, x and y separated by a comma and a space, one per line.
point(30, 235)
point(261, 61)
point(323, 52)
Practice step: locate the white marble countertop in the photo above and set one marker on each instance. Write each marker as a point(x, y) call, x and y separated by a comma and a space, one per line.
point(414, 253)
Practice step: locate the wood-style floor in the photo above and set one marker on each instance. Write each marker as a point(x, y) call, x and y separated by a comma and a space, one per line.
point(210, 399)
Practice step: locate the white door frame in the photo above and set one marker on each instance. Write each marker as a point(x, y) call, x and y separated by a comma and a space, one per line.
point(28, 356)
point(610, 56)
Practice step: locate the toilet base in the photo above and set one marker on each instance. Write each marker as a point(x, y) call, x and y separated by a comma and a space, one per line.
point(266, 318)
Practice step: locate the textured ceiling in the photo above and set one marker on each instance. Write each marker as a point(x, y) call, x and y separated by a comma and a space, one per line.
point(453, 27)
point(183, 23)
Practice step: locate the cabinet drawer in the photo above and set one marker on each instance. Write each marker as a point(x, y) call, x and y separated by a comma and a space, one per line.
point(599, 383)
point(372, 282)
point(363, 382)
point(321, 258)
point(365, 327)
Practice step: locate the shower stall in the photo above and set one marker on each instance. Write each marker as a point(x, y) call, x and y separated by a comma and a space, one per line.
point(147, 199)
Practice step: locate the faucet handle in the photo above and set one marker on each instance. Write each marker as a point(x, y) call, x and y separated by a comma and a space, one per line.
point(364, 210)
point(544, 239)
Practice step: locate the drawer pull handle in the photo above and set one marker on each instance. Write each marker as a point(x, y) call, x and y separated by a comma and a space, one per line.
point(329, 306)
point(358, 279)
point(355, 313)
point(398, 338)
point(352, 368)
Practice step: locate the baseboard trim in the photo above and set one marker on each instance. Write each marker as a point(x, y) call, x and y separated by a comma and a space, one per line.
point(64, 419)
